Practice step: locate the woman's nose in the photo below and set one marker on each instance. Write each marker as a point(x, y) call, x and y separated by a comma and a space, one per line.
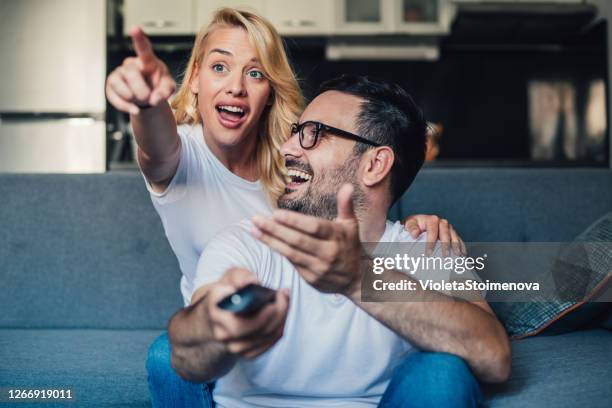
point(235, 87)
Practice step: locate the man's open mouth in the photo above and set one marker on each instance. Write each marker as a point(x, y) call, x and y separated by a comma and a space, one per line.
point(297, 178)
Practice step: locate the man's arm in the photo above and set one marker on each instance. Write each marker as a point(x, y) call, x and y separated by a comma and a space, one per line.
point(196, 356)
point(434, 321)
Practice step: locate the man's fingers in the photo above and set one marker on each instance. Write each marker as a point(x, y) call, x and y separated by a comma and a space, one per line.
point(271, 334)
point(457, 243)
point(444, 235)
point(432, 234)
point(412, 226)
point(290, 236)
point(315, 226)
point(142, 46)
point(295, 255)
point(256, 349)
point(345, 203)
point(231, 327)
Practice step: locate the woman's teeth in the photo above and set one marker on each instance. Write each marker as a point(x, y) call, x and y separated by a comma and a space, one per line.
point(231, 109)
point(299, 176)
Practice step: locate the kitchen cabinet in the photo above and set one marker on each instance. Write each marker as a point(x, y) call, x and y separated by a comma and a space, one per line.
point(312, 17)
point(204, 9)
point(160, 17)
point(422, 16)
point(298, 17)
point(363, 16)
point(426, 17)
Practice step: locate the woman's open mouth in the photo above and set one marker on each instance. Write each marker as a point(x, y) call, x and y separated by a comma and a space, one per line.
point(230, 116)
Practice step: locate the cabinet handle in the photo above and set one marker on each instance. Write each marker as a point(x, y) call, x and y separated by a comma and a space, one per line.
point(299, 23)
point(159, 24)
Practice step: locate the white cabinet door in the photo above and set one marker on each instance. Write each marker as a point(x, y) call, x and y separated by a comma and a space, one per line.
point(300, 17)
point(160, 17)
point(206, 8)
point(364, 16)
point(75, 145)
point(52, 56)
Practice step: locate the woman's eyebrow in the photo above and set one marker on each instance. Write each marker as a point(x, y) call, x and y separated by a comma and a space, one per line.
point(226, 52)
point(220, 51)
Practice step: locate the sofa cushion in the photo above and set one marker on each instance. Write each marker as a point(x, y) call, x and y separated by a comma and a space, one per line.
point(569, 370)
point(102, 367)
point(107, 367)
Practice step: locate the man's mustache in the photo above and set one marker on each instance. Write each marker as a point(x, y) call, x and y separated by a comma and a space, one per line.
point(295, 164)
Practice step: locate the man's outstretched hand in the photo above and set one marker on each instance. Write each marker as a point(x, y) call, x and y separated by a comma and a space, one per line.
point(143, 80)
point(327, 254)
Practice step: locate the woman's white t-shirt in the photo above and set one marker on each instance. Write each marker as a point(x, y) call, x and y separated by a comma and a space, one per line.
point(202, 199)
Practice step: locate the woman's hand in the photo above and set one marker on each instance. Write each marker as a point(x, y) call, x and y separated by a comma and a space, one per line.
point(140, 81)
point(437, 229)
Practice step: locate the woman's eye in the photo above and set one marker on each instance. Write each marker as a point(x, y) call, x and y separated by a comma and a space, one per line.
point(256, 74)
point(218, 68)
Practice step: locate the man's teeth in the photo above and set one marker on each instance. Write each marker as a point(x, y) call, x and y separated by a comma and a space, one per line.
point(299, 174)
point(235, 109)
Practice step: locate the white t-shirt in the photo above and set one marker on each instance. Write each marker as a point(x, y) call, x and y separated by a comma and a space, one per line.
point(202, 199)
point(332, 353)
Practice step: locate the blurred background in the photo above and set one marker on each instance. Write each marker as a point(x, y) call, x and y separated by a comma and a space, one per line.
point(503, 83)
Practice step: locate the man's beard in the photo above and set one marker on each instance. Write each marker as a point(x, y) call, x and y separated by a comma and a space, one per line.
point(320, 198)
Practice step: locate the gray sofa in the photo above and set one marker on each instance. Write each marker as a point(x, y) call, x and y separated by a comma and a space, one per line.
point(88, 279)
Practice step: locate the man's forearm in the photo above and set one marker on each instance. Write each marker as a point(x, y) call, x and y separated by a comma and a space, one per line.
point(195, 356)
point(435, 322)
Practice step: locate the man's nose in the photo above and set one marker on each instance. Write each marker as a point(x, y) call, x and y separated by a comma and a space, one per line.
point(292, 146)
point(235, 84)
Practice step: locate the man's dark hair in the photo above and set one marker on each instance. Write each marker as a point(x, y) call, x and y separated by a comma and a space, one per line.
point(389, 116)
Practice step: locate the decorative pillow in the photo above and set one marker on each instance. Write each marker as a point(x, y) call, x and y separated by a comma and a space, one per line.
point(582, 275)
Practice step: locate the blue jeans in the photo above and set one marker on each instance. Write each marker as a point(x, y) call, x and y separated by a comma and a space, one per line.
point(167, 388)
point(421, 380)
point(432, 380)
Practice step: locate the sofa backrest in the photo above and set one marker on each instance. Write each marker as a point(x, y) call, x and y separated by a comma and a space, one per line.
point(89, 251)
point(83, 251)
point(511, 205)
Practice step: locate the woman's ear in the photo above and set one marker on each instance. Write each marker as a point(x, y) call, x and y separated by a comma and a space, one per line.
point(379, 162)
point(194, 82)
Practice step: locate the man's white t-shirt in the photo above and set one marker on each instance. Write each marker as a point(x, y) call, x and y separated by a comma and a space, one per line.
point(203, 198)
point(332, 353)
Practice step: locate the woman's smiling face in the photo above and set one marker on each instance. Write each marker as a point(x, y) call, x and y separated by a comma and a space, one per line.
point(231, 86)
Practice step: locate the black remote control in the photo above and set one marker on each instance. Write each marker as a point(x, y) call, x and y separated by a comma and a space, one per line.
point(248, 300)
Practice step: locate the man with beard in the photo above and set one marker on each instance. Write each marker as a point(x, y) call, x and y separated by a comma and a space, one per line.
point(357, 148)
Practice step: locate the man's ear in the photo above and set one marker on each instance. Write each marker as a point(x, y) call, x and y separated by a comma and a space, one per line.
point(379, 162)
point(194, 82)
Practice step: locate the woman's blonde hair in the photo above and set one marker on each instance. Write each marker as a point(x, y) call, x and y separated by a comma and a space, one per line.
point(287, 103)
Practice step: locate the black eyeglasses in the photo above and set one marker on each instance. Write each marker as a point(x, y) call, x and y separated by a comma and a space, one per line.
point(310, 130)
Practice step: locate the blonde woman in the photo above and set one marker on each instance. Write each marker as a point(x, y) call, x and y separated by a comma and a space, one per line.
point(212, 157)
